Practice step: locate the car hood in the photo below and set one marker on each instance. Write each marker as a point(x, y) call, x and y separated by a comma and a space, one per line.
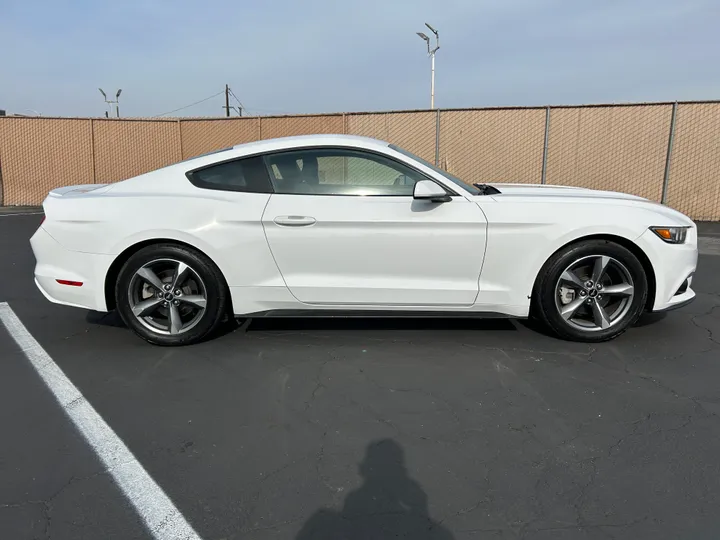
point(538, 192)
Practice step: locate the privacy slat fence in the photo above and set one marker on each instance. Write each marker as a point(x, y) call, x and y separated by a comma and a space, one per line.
point(667, 152)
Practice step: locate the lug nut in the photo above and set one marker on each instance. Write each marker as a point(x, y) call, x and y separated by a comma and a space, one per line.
point(589, 284)
point(589, 300)
point(165, 304)
point(168, 287)
point(599, 296)
point(178, 292)
point(176, 302)
point(583, 293)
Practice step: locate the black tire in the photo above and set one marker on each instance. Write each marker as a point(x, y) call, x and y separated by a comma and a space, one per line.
point(204, 323)
point(547, 301)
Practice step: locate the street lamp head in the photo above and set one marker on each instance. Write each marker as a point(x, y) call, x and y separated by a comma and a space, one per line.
point(118, 94)
point(103, 93)
point(423, 36)
point(431, 29)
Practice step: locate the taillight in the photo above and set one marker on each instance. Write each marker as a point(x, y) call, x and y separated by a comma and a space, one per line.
point(42, 220)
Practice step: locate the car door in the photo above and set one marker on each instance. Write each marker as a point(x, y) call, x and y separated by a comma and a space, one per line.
point(344, 228)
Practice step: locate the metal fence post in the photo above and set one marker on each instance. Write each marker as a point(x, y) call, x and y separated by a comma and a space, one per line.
point(437, 138)
point(543, 173)
point(1, 184)
point(92, 150)
point(668, 157)
point(180, 139)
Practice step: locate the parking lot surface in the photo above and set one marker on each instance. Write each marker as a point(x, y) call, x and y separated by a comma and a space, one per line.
point(368, 429)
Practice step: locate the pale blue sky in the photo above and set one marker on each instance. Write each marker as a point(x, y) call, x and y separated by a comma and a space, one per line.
point(295, 56)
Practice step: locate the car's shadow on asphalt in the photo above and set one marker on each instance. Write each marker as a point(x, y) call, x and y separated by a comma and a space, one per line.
point(113, 320)
point(105, 319)
point(377, 323)
point(269, 324)
point(646, 319)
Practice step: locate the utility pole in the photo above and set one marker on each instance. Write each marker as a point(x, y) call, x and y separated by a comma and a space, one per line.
point(431, 53)
point(227, 106)
point(110, 103)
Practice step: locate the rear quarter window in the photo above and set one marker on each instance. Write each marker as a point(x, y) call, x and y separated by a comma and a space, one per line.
point(247, 175)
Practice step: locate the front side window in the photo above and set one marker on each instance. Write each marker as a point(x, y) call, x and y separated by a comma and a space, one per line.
point(248, 175)
point(339, 172)
point(454, 179)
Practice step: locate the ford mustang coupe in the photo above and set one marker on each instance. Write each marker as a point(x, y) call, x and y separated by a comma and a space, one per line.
point(335, 225)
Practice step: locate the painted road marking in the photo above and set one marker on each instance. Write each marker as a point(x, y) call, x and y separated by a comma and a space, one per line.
point(157, 511)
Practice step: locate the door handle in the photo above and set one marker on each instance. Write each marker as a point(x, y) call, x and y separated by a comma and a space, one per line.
point(294, 221)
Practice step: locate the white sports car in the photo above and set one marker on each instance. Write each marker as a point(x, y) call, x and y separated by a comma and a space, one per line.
point(334, 225)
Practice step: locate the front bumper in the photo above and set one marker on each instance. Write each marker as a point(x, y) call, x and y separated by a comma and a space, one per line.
point(54, 262)
point(674, 265)
point(677, 305)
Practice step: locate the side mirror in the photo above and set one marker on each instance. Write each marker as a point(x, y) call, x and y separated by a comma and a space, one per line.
point(427, 190)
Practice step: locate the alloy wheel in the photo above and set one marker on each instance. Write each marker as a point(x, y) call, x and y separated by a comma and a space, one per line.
point(167, 296)
point(594, 293)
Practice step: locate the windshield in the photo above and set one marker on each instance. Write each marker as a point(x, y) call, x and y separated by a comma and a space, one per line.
point(454, 179)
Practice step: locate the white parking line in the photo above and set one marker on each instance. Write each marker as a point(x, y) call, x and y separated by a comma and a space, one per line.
point(161, 517)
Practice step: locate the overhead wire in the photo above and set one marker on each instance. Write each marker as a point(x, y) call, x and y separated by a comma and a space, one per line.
point(191, 104)
point(242, 107)
point(249, 109)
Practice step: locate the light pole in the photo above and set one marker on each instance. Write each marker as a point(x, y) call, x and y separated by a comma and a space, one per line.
point(431, 53)
point(110, 102)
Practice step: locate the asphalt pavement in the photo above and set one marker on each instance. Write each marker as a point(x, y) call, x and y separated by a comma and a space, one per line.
point(368, 429)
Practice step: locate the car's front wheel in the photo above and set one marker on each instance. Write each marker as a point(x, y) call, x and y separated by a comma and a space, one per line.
point(591, 291)
point(171, 295)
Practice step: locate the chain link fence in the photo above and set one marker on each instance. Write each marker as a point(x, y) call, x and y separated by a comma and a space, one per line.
point(667, 152)
point(621, 148)
point(694, 161)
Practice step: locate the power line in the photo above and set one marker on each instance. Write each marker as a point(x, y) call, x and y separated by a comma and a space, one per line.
point(191, 105)
point(276, 111)
point(242, 107)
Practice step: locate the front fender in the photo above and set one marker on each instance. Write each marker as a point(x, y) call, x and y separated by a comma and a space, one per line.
point(522, 237)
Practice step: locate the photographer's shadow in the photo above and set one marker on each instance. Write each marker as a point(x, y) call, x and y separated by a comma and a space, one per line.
point(389, 504)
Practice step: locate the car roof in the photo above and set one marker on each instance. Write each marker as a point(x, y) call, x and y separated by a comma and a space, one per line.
point(326, 139)
point(282, 143)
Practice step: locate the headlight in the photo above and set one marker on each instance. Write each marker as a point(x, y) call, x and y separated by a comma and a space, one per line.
point(671, 235)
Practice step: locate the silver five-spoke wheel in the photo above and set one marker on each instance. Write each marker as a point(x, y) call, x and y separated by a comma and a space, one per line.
point(167, 296)
point(594, 293)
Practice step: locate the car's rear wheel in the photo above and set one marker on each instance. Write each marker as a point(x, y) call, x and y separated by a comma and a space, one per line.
point(171, 295)
point(591, 291)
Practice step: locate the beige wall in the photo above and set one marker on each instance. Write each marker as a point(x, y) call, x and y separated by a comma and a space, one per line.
point(622, 148)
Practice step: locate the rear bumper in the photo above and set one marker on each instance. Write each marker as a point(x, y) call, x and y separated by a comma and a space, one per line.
point(54, 262)
point(674, 265)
